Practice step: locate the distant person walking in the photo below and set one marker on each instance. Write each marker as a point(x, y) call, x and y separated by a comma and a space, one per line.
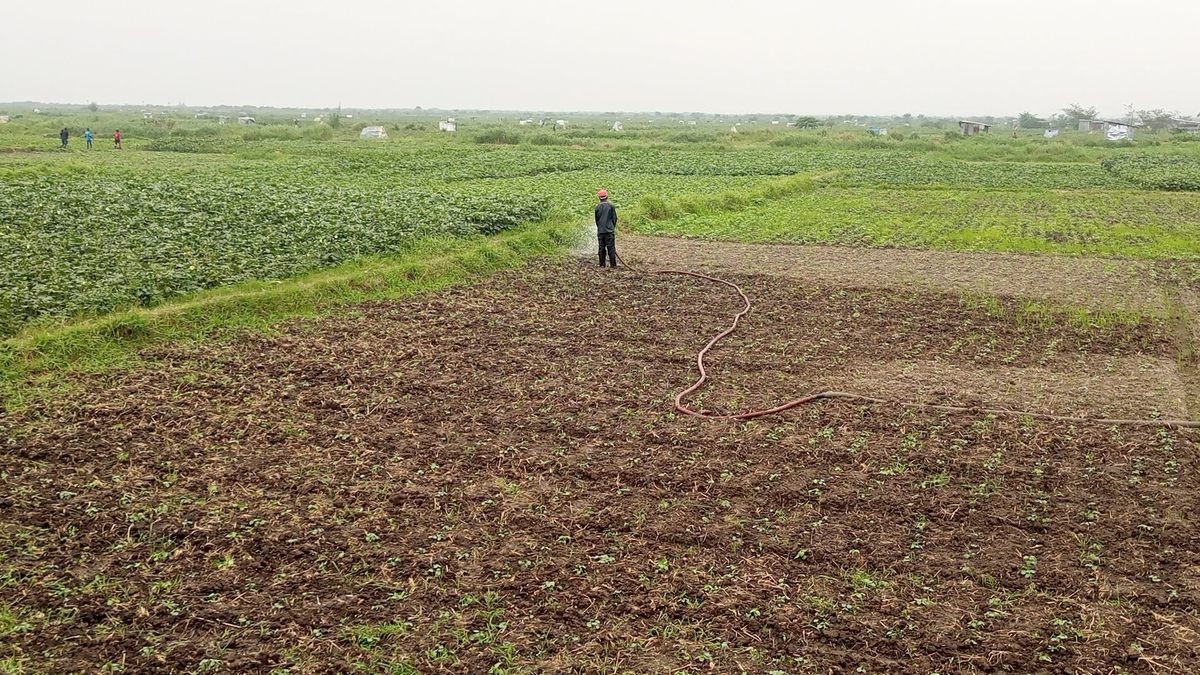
point(606, 229)
point(117, 139)
point(64, 135)
point(87, 136)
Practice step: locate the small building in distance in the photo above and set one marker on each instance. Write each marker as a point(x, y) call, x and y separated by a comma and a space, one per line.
point(448, 125)
point(1185, 124)
point(246, 119)
point(617, 126)
point(1113, 130)
point(970, 128)
point(373, 132)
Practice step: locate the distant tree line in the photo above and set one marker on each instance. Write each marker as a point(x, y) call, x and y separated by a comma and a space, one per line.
point(1070, 117)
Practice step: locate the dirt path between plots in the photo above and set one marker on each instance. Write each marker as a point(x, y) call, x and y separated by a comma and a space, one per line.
point(492, 475)
point(1088, 282)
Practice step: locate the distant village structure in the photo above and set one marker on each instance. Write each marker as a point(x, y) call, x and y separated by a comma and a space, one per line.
point(1113, 130)
point(1184, 124)
point(373, 132)
point(449, 125)
point(970, 128)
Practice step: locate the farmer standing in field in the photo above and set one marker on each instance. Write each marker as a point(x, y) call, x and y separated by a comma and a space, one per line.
point(64, 135)
point(117, 139)
point(87, 136)
point(606, 229)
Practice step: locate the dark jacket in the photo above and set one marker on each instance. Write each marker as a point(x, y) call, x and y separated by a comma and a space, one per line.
point(606, 218)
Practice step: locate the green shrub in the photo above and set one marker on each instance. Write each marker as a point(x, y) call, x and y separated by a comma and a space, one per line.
point(795, 141)
point(498, 136)
point(692, 137)
point(548, 139)
point(656, 208)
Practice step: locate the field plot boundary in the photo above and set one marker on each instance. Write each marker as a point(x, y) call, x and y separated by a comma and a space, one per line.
point(39, 358)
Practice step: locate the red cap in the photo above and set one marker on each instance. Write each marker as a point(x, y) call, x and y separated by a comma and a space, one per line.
point(602, 194)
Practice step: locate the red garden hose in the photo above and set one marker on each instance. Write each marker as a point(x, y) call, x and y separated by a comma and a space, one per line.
point(684, 408)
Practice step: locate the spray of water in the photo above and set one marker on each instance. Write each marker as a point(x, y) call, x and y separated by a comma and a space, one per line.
point(587, 243)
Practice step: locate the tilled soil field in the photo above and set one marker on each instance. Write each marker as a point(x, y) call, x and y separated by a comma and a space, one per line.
point(492, 477)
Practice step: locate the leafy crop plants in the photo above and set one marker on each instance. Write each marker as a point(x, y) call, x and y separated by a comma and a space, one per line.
point(449, 445)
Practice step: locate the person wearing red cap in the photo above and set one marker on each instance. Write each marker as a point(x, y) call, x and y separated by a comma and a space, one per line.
point(606, 229)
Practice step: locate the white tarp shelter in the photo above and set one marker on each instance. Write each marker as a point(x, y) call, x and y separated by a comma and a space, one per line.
point(1115, 131)
point(1050, 133)
point(373, 132)
point(245, 119)
point(617, 126)
point(448, 125)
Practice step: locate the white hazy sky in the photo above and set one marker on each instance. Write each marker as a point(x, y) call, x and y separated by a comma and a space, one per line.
point(937, 57)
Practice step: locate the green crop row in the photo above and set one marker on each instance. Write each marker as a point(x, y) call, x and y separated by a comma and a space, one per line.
point(1153, 172)
point(1130, 224)
point(88, 244)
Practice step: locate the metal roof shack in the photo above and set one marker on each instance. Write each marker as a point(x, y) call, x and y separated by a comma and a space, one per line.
point(970, 128)
point(1185, 124)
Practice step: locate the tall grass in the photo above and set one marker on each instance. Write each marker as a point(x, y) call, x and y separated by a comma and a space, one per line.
point(498, 136)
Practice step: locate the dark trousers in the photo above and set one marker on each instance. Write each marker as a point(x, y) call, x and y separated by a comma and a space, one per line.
point(608, 244)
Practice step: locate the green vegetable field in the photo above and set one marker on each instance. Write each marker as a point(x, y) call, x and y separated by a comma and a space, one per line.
point(203, 206)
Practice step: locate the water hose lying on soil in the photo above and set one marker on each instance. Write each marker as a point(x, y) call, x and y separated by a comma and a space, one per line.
point(684, 408)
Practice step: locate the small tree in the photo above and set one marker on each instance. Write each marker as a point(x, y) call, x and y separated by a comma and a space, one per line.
point(1154, 120)
point(93, 107)
point(807, 122)
point(1075, 113)
point(1028, 120)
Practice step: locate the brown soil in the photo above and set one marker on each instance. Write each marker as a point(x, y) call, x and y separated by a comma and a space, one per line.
point(492, 475)
point(1091, 282)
